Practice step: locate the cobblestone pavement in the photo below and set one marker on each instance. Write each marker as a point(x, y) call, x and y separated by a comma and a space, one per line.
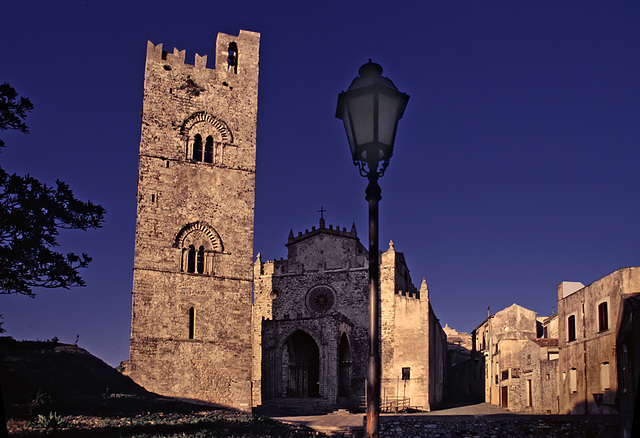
point(479, 420)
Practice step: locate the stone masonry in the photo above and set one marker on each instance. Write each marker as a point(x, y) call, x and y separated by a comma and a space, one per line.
point(311, 331)
point(192, 286)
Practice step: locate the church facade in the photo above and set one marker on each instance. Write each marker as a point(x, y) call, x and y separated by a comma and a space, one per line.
point(311, 330)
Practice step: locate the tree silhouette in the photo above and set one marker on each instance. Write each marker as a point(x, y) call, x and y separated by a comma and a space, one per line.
point(31, 216)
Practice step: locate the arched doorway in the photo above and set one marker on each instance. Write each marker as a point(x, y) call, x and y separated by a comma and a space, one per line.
point(344, 367)
point(301, 366)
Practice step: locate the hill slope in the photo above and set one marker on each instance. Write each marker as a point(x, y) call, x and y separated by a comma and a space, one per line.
point(39, 377)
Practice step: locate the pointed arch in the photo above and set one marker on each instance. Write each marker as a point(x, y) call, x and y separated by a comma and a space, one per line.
point(344, 367)
point(300, 365)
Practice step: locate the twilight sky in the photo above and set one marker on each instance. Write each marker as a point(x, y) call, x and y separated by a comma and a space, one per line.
point(516, 163)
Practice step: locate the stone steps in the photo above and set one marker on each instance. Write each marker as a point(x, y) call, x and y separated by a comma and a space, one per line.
point(295, 407)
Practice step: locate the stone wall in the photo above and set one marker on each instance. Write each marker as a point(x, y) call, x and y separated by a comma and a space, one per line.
point(538, 377)
point(588, 364)
point(192, 286)
point(497, 343)
point(413, 344)
point(334, 262)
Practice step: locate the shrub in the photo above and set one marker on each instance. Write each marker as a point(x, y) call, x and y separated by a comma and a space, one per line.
point(53, 421)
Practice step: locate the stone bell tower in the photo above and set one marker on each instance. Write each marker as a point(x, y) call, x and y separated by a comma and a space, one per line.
point(193, 267)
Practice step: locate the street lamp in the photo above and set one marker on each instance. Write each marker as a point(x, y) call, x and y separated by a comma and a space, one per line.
point(370, 110)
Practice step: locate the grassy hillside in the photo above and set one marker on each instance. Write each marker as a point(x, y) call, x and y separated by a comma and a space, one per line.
point(49, 386)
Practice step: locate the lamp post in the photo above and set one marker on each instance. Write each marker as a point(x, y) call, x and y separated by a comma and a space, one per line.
point(370, 110)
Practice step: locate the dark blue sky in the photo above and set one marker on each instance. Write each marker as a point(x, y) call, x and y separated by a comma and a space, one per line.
point(515, 168)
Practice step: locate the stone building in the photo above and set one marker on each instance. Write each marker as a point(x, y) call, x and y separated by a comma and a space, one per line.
point(549, 326)
point(538, 390)
point(311, 331)
point(497, 343)
point(192, 275)
point(589, 319)
point(628, 358)
point(459, 345)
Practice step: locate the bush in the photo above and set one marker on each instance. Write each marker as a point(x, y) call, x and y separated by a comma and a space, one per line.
point(53, 421)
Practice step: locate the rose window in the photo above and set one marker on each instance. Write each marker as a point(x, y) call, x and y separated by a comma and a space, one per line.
point(320, 299)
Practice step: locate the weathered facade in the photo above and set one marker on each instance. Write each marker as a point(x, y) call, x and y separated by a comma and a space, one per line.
point(628, 358)
point(538, 385)
point(192, 275)
point(310, 325)
point(497, 343)
point(588, 323)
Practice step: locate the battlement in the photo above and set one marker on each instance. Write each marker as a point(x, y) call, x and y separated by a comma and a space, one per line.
point(156, 53)
point(322, 229)
point(231, 51)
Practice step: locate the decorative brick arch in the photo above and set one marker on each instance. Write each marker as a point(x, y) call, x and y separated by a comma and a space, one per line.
point(198, 243)
point(201, 116)
point(204, 228)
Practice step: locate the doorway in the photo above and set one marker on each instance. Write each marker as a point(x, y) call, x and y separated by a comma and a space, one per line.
point(301, 366)
point(344, 367)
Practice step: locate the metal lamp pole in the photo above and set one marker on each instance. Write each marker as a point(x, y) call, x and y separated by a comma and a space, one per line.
point(370, 110)
point(374, 368)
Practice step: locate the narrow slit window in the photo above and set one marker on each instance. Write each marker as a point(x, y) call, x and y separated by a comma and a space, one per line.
point(192, 321)
point(571, 328)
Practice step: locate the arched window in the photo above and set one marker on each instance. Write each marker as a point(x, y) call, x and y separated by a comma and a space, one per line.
point(192, 322)
point(205, 137)
point(197, 148)
point(232, 60)
point(199, 243)
point(200, 266)
point(191, 259)
point(208, 150)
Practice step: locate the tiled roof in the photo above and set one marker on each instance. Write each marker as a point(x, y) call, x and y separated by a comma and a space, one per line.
point(546, 342)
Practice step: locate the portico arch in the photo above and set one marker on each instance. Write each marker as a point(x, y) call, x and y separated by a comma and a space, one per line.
point(301, 366)
point(344, 367)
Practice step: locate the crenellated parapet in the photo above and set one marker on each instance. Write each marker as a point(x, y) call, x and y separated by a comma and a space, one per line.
point(157, 53)
point(394, 270)
point(231, 53)
point(337, 231)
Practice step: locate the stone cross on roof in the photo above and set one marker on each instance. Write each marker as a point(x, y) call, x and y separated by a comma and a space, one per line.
point(321, 211)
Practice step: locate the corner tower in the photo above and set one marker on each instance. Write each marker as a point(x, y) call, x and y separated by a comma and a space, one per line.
point(192, 275)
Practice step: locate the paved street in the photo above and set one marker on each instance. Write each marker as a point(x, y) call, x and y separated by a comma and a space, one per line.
point(477, 420)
